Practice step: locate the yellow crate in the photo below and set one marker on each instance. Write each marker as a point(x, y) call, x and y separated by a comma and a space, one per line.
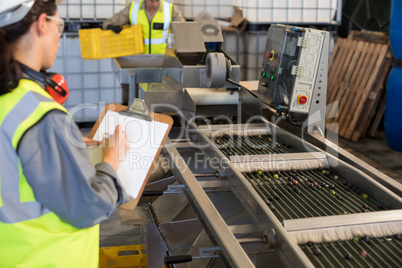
point(122, 257)
point(100, 44)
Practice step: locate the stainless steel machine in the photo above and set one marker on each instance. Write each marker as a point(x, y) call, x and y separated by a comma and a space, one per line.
point(184, 62)
point(254, 182)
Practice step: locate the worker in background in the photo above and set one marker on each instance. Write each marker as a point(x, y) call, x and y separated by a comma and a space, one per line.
point(154, 16)
point(52, 199)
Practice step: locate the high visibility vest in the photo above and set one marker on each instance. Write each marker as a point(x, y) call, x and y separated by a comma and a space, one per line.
point(154, 34)
point(30, 234)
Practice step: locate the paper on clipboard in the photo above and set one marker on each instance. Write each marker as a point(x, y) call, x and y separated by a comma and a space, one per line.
point(145, 138)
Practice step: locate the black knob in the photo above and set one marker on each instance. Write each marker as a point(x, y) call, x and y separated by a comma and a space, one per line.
point(178, 259)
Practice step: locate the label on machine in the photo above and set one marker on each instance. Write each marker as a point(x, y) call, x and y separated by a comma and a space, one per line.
point(306, 74)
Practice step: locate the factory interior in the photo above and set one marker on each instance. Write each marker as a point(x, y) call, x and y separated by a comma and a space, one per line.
point(272, 128)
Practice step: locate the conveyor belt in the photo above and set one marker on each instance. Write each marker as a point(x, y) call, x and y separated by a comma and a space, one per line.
point(360, 252)
point(252, 145)
point(310, 193)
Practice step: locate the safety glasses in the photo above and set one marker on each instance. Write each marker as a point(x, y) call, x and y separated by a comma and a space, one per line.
point(61, 23)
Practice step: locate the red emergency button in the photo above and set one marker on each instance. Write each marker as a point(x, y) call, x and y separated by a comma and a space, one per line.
point(302, 99)
point(268, 55)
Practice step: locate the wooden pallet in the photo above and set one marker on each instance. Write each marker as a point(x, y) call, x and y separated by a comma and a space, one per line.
point(357, 72)
point(370, 36)
point(379, 114)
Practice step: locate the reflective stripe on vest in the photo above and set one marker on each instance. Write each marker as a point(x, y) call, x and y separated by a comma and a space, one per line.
point(14, 187)
point(154, 40)
point(20, 110)
point(32, 235)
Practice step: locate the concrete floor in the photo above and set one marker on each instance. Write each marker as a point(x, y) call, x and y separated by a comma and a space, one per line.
point(114, 233)
point(375, 152)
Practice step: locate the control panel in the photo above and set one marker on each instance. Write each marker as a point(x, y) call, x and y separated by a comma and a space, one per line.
point(288, 76)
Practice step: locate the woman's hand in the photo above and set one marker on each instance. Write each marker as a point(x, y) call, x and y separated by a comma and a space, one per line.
point(115, 148)
point(91, 142)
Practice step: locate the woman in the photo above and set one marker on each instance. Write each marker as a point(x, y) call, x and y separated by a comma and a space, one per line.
point(52, 199)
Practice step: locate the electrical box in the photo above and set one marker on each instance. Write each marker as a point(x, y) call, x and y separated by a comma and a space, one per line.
point(294, 69)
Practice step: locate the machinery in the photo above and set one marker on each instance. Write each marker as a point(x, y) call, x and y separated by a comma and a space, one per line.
point(183, 64)
point(254, 181)
point(293, 74)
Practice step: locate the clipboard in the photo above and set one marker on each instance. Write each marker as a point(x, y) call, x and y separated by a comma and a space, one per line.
point(138, 117)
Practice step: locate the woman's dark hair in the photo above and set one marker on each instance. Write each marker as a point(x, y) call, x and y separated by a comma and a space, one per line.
point(10, 72)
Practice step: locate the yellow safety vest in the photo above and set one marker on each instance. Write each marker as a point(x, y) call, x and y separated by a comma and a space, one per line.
point(30, 234)
point(154, 34)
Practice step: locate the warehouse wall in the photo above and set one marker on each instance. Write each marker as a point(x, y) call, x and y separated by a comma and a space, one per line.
point(90, 9)
point(91, 82)
point(246, 49)
point(370, 15)
point(216, 8)
point(289, 11)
